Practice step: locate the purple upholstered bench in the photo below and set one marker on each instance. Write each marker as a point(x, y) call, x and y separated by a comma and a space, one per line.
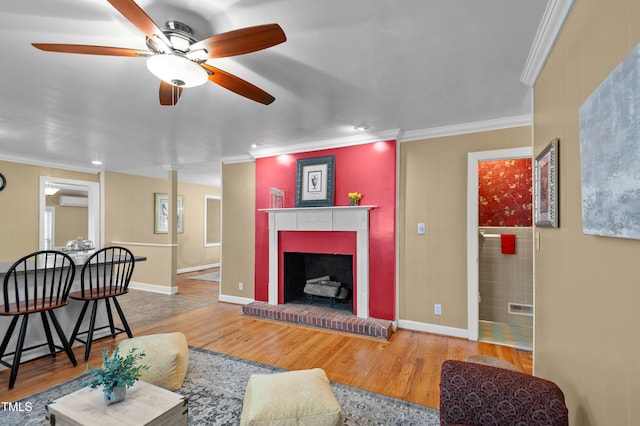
point(476, 394)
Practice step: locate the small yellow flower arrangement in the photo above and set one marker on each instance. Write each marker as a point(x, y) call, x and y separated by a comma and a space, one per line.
point(354, 198)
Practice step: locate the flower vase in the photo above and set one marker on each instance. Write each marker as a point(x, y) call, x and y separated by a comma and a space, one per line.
point(117, 394)
point(354, 201)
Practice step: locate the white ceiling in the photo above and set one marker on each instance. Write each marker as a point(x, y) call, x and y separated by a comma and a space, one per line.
point(399, 66)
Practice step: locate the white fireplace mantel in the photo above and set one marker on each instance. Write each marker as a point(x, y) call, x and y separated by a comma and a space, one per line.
point(340, 218)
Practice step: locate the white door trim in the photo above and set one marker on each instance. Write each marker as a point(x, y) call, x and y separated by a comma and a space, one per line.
point(473, 287)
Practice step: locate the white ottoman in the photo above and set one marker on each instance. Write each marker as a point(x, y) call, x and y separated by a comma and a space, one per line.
point(167, 356)
point(291, 398)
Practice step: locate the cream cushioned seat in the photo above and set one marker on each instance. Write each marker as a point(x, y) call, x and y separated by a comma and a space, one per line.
point(167, 356)
point(302, 397)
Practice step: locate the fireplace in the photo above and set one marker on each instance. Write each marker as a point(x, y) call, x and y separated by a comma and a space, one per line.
point(319, 278)
point(352, 219)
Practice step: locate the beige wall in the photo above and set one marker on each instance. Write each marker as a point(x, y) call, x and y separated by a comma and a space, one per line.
point(433, 190)
point(71, 222)
point(586, 287)
point(19, 206)
point(129, 212)
point(192, 252)
point(214, 211)
point(129, 217)
point(238, 228)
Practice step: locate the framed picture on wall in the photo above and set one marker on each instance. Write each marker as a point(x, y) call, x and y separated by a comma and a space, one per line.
point(161, 219)
point(180, 214)
point(546, 186)
point(315, 181)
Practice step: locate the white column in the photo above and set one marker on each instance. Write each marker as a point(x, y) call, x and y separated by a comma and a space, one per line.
point(273, 260)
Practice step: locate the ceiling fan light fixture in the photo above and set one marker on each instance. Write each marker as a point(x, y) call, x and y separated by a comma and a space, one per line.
point(177, 70)
point(179, 43)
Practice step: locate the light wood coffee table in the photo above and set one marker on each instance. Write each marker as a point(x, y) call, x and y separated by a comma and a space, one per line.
point(145, 404)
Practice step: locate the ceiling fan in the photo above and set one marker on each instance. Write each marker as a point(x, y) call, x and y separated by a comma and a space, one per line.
point(179, 60)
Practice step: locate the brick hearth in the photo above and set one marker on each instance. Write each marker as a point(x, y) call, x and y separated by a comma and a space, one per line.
point(320, 317)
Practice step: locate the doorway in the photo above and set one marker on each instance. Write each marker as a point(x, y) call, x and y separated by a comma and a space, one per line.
point(75, 190)
point(474, 233)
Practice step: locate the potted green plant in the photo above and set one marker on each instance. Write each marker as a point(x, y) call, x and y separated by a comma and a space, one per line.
point(116, 374)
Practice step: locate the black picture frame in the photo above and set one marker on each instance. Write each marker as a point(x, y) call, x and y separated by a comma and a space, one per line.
point(315, 181)
point(546, 186)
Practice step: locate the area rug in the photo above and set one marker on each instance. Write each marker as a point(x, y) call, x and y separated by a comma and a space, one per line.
point(215, 386)
point(211, 276)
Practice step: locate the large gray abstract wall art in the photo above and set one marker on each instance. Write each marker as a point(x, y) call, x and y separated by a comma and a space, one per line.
point(610, 153)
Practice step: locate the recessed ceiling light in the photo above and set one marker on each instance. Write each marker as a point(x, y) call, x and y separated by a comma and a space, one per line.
point(96, 162)
point(362, 127)
point(254, 145)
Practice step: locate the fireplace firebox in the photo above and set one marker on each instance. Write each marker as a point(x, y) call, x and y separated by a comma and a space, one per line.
point(300, 268)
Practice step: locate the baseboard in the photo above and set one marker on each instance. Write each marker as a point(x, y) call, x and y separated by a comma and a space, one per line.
point(153, 288)
point(235, 299)
point(434, 328)
point(197, 268)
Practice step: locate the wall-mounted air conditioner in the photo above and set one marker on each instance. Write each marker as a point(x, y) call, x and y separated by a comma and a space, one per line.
point(68, 201)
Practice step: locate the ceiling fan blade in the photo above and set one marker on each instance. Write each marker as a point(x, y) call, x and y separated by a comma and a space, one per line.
point(239, 42)
point(91, 50)
point(238, 85)
point(138, 17)
point(169, 94)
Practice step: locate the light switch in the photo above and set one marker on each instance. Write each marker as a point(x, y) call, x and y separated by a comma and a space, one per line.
point(421, 229)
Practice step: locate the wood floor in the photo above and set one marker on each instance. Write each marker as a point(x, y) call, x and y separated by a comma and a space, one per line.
point(407, 366)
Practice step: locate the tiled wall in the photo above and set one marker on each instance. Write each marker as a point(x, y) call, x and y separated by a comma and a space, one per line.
point(505, 278)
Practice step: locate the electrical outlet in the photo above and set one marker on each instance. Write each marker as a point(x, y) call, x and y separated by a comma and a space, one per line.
point(421, 229)
point(240, 286)
point(437, 309)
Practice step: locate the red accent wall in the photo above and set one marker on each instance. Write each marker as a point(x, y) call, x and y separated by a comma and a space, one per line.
point(505, 192)
point(369, 169)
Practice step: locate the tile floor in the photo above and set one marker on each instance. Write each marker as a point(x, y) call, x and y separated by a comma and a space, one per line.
point(507, 335)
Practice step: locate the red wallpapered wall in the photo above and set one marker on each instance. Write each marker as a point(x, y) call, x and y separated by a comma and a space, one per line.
point(369, 169)
point(505, 192)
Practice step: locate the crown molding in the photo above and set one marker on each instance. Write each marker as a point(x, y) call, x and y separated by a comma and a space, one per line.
point(236, 159)
point(49, 164)
point(553, 19)
point(361, 139)
point(474, 127)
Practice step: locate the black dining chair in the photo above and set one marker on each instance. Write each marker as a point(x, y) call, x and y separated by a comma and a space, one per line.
point(37, 283)
point(105, 275)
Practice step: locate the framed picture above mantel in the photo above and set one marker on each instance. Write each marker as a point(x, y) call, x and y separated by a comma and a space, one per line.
point(315, 181)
